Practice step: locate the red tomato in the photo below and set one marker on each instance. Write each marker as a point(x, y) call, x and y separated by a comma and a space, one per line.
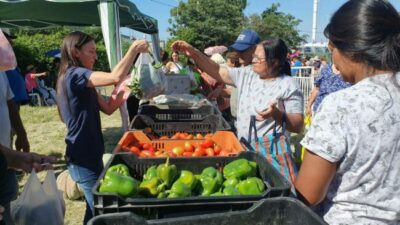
point(147, 146)
point(135, 150)
point(175, 136)
point(209, 152)
point(178, 150)
point(188, 147)
point(207, 143)
point(217, 149)
point(188, 154)
point(182, 136)
point(199, 136)
point(200, 151)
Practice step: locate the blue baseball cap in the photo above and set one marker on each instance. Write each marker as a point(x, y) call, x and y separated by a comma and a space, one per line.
point(245, 40)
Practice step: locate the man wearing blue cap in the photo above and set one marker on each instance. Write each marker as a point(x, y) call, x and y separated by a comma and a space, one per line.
point(245, 46)
point(263, 87)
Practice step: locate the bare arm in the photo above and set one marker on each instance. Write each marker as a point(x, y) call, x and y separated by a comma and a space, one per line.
point(25, 160)
point(220, 73)
point(21, 143)
point(314, 178)
point(168, 67)
point(311, 99)
point(108, 107)
point(98, 78)
point(35, 75)
point(119, 95)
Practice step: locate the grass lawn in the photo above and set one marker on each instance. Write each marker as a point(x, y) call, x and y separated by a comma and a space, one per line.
point(46, 135)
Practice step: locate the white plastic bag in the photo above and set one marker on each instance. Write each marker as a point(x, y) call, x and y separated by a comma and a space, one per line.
point(180, 100)
point(152, 80)
point(39, 203)
point(7, 56)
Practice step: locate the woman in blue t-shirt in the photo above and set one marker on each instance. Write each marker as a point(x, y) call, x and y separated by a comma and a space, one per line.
point(327, 82)
point(79, 105)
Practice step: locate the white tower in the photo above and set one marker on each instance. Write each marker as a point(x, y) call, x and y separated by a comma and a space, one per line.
point(314, 23)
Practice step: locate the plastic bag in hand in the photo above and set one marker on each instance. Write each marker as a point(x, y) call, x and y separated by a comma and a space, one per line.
point(39, 203)
point(151, 78)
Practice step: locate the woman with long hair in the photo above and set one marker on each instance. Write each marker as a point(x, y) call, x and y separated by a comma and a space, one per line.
point(351, 167)
point(265, 89)
point(79, 105)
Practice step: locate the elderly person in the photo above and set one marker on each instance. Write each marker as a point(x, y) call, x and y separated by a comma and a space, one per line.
point(264, 89)
point(351, 167)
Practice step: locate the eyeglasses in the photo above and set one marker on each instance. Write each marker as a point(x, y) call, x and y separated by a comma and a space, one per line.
point(257, 59)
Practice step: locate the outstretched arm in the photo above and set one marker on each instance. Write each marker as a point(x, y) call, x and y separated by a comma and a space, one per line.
point(120, 71)
point(25, 160)
point(220, 73)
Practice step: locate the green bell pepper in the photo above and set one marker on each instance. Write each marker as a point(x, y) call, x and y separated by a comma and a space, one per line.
point(251, 186)
point(240, 168)
point(230, 190)
point(211, 181)
point(167, 173)
point(150, 187)
point(150, 173)
point(231, 182)
point(188, 178)
point(120, 184)
point(179, 190)
point(120, 169)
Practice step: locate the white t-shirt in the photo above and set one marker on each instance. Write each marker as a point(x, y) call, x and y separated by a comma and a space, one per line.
point(5, 95)
point(255, 93)
point(359, 129)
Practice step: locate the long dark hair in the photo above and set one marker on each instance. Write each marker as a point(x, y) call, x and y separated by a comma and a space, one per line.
point(74, 40)
point(373, 35)
point(276, 49)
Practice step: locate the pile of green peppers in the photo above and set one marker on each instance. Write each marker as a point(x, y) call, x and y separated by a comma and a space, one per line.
point(166, 181)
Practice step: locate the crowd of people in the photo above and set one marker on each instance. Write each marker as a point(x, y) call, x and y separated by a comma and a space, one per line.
point(350, 170)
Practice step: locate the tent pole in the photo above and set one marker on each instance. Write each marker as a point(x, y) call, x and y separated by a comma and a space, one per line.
point(110, 24)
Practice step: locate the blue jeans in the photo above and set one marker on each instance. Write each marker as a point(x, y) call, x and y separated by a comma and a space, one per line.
point(86, 179)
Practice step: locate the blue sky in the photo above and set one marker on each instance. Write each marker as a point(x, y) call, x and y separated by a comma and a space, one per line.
point(301, 9)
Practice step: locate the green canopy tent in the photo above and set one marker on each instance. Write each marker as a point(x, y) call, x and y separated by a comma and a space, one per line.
point(109, 14)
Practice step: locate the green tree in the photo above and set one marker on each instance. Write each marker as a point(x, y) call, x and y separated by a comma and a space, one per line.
point(30, 47)
point(206, 23)
point(274, 24)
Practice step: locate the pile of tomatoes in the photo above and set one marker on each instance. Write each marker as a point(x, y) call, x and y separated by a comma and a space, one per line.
point(205, 148)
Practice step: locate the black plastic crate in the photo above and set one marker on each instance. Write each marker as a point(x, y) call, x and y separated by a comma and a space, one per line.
point(171, 112)
point(277, 211)
point(152, 208)
point(209, 124)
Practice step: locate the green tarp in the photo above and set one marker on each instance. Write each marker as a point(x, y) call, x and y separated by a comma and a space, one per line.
point(42, 13)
